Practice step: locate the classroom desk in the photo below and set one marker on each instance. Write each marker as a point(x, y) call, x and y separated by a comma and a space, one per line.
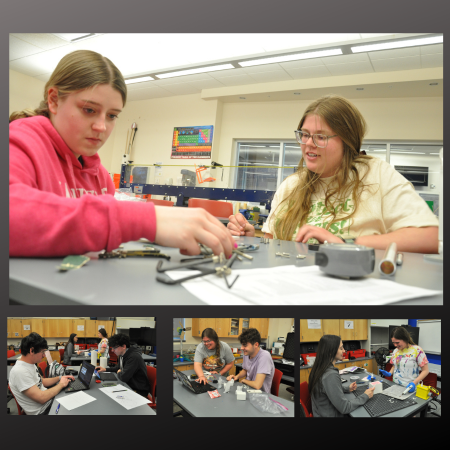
point(201, 405)
point(285, 379)
point(411, 411)
point(13, 358)
point(103, 405)
point(36, 281)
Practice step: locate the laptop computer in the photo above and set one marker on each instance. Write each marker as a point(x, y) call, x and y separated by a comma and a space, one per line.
point(84, 378)
point(193, 386)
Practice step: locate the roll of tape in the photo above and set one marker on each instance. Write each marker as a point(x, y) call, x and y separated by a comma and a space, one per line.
point(103, 361)
point(354, 378)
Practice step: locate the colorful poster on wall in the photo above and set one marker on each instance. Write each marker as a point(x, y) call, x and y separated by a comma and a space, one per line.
point(192, 142)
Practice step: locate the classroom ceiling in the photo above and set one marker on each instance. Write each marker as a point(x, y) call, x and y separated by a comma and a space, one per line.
point(36, 55)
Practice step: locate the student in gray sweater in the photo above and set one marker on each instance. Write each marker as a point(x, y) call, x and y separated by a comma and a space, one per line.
point(325, 386)
point(69, 350)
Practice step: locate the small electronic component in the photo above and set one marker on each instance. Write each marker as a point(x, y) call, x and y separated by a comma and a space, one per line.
point(284, 254)
point(154, 253)
point(301, 256)
point(73, 262)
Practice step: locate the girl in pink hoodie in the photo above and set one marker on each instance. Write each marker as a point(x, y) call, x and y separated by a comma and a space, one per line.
point(61, 197)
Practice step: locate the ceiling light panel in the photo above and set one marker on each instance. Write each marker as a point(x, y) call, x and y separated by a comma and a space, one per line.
point(398, 44)
point(138, 80)
point(192, 71)
point(294, 57)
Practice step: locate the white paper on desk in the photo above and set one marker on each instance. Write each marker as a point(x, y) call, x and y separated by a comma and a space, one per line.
point(291, 285)
point(76, 400)
point(130, 399)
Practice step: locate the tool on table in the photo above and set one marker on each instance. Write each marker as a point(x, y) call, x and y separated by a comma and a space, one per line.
point(399, 260)
point(147, 253)
point(223, 270)
point(73, 262)
point(387, 264)
point(345, 260)
point(264, 240)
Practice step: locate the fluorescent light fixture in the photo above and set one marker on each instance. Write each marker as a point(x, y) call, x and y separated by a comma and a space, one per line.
point(295, 57)
point(413, 153)
point(75, 37)
point(398, 44)
point(138, 80)
point(434, 153)
point(192, 71)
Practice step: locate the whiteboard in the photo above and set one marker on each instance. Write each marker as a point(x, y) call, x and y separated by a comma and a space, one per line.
point(430, 336)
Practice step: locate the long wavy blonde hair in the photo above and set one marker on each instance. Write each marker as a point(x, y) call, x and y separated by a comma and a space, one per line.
point(76, 71)
point(345, 120)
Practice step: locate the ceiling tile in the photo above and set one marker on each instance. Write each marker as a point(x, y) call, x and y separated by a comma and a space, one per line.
point(45, 41)
point(139, 86)
point(350, 69)
point(40, 63)
point(430, 49)
point(262, 68)
point(309, 72)
point(183, 88)
point(237, 80)
point(145, 94)
point(344, 59)
point(387, 65)
point(20, 49)
point(227, 73)
point(314, 62)
point(268, 77)
point(185, 78)
point(208, 84)
point(436, 60)
point(396, 53)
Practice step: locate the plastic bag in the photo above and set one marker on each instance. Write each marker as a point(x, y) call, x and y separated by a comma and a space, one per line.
point(126, 194)
point(265, 404)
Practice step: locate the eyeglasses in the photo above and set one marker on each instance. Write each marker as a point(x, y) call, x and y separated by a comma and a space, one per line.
point(320, 140)
point(206, 342)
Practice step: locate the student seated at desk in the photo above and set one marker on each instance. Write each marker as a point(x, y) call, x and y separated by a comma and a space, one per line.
point(131, 368)
point(258, 368)
point(57, 182)
point(212, 355)
point(409, 362)
point(342, 194)
point(325, 386)
point(28, 387)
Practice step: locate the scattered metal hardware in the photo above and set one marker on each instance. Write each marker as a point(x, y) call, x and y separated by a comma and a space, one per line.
point(284, 254)
point(264, 240)
point(236, 251)
point(153, 253)
point(248, 247)
point(223, 270)
point(301, 256)
point(204, 250)
point(239, 258)
point(279, 241)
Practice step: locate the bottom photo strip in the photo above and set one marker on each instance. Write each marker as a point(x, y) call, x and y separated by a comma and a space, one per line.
point(224, 367)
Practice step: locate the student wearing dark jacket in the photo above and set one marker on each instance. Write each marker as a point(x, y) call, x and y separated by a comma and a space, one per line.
point(325, 387)
point(131, 368)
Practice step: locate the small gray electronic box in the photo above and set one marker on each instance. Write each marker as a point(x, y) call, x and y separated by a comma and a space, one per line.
point(345, 260)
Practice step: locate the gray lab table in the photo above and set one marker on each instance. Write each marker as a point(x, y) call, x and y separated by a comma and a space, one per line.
point(103, 405)
point(410, 411)
point(227, 405)
point(36, 281)
point(285, 379)
point(13, 358)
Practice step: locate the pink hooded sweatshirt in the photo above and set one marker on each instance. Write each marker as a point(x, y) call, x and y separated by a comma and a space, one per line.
point(58, 207)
